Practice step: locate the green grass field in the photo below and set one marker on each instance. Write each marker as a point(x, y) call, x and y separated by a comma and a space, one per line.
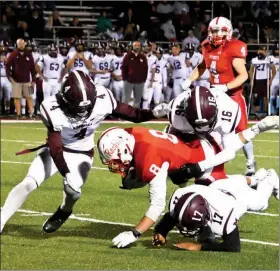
point(104, 210)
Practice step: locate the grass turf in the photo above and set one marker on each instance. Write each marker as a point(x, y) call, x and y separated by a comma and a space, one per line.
point(84, 244)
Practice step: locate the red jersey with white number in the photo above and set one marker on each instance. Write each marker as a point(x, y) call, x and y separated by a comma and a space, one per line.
point(153, 148)
point(219, 61)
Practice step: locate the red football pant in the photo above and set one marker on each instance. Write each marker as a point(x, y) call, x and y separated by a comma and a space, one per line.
point(242, 125)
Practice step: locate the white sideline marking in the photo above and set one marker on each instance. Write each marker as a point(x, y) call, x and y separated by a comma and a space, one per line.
point(76, 217)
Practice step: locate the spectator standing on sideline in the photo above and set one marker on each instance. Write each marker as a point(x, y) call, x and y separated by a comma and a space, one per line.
point(22, 64)
point(134, 73)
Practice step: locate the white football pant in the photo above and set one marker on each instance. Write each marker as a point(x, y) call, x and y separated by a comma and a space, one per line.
point(177, 89)
point(102, 81)
point(5, 88)
point(50, 87)
point(150, 94)
point(117, 89)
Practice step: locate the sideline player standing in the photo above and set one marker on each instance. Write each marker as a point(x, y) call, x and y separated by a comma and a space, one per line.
point(225, 58)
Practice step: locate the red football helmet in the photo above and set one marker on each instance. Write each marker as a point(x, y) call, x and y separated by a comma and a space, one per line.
point(201, 110)
point(219, 31)
point(191, 213)
point(77, 95)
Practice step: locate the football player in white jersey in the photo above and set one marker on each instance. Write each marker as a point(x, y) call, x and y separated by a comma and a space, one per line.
point(5, 84)
point(71, 117)
point(160, 79)
point(274, 88)
point(210, 113)
point(148, 86)
point(63, 50)
point(117, 81)
point(52, 65)
point(102, 66)
point(193, 59)
point(262, 72)
point(79, 60)
point(199, 210)
point(179, 69)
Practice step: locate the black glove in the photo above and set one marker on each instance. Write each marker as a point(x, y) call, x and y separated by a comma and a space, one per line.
point(185, 173)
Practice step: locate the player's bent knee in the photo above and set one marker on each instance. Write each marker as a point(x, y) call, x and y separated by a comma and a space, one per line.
point(71, 193)
point(29, 183)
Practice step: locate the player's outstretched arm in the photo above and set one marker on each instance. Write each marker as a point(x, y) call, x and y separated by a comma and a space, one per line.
point(137, 115)
point(157, 205)
point(195, 75)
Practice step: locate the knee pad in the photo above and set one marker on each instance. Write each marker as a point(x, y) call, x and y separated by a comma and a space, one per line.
point(74, 195)
point(29, 183)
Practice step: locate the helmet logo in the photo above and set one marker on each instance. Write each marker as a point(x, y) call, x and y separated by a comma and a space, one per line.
point(114, 147)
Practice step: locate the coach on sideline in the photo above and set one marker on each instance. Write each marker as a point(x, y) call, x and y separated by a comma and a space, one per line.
point(19, 66)
point(134, 73)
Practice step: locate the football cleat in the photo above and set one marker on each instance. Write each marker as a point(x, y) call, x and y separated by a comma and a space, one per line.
point(271, 173)
point(251, 169)
point(56, 221)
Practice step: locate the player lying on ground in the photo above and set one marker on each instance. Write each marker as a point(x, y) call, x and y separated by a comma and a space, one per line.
point(71, 117)
point(225, 58)
point(201, 111)
point(205, 211)
point(144, 156)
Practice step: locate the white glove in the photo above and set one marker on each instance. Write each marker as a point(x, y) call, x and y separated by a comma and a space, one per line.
point(223, 88)
point(74, 181)
point(186, 84)
point(268, 123)
point(161, 110)
point(124, 239)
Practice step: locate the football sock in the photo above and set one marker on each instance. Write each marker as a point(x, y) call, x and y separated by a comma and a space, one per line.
point(16, 198)
point(248, 150)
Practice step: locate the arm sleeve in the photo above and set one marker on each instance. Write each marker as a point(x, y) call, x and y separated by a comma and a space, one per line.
point(231, 243)
point(127, 112)
point(157, 192)
point(165, 225)
point(54, 143)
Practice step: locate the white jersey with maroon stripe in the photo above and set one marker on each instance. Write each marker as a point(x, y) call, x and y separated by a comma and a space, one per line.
point(79, 135)
point(225, 210)
point(227, 119)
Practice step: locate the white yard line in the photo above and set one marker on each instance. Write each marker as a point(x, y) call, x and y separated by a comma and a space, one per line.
point(76, 217)
point(103, 168)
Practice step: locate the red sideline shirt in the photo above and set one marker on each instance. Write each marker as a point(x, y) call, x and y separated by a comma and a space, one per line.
point(135, 68)
point(22, 65)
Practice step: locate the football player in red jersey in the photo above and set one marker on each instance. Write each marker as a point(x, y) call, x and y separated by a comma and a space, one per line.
point(225, 59)
point(144, 156)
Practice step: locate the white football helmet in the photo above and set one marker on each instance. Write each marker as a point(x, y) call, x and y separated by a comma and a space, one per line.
point(219, 31)
point(115, 147)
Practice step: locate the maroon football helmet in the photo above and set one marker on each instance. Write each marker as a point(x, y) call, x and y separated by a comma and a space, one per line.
point(77, 95)
point(192, 213)
point(201, 110)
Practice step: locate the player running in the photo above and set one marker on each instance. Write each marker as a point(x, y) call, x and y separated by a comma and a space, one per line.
point(71, 117)
point(225, 59)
